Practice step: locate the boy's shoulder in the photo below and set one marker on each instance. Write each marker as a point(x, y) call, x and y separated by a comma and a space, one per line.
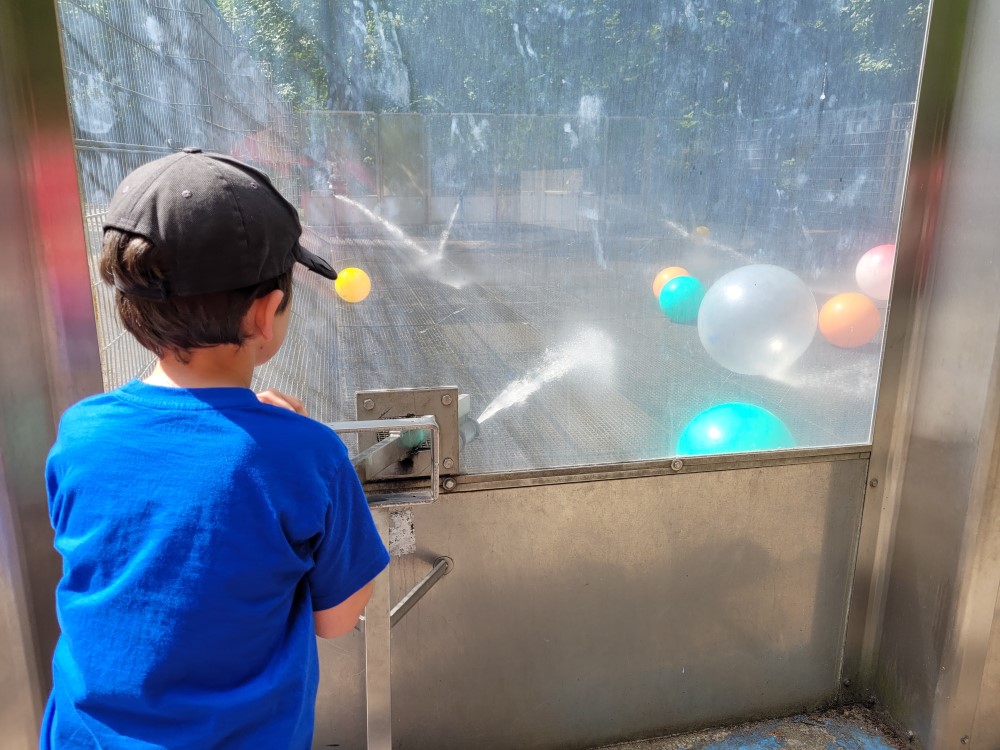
point(193, 413)
point(279, 423)
point(88, 412)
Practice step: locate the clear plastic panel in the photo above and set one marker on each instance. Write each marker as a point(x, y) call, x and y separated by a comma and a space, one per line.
point(513, 178)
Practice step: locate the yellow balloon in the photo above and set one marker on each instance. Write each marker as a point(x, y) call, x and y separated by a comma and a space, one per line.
point(352, 284)
point(666, 275)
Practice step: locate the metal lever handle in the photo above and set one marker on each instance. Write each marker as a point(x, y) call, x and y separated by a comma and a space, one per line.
point(442, 567)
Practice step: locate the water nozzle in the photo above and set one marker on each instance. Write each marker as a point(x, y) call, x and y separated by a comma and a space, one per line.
point(468, 430)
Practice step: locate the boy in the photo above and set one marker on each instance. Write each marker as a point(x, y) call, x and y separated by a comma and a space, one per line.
point(208, 534)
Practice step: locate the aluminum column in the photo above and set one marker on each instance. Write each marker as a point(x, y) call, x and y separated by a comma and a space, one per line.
point(49, 357)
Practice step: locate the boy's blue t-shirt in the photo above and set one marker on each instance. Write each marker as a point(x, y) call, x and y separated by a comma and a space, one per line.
point(199, 529)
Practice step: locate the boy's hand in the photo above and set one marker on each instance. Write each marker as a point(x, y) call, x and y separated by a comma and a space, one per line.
point(277, 398)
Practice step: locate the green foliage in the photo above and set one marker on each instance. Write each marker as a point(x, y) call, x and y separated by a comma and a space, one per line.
point(693, 64)
point(284, 34)
point(889, 35)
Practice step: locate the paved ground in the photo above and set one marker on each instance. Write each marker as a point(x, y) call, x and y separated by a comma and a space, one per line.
point(852, 728)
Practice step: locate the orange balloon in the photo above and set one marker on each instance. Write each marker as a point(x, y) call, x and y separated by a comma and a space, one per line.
point(849, 320)
point(664, 276)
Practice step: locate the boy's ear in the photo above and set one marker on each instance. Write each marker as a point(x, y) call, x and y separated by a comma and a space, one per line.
point(260, 317)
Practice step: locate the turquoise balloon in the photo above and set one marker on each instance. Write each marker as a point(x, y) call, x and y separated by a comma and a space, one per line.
point(681, 297)
point(734, 428)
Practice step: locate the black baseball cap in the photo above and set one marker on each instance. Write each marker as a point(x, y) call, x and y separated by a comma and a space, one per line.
point(219, 224)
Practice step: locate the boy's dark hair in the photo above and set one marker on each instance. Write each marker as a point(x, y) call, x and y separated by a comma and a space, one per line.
point(177, 324)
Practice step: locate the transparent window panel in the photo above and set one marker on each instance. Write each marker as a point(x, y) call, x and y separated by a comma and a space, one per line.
point(513, 178)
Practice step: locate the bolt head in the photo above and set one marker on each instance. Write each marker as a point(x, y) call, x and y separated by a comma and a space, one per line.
point(846, 683)
point(369, 404)
point(450, 484)
point(446, 400)
point(676, 464)
point(873, 483)
point(965, 739)
point(449, 463)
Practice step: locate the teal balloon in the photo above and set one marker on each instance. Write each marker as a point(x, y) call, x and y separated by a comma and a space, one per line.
point(734, 428)
point(681, 297)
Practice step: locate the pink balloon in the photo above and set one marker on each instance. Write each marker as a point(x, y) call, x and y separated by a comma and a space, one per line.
point(874, 271)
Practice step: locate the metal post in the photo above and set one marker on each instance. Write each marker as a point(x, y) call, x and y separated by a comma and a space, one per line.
point(904, 336)
point(50, 355)
point(378, 685)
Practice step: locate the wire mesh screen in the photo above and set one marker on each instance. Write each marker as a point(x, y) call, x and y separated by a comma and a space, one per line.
point(509, 254)
point(147, 78)
point(820, 167)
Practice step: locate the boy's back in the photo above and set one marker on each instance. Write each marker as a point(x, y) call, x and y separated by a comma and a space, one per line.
point(207, 535)
point(199, 530)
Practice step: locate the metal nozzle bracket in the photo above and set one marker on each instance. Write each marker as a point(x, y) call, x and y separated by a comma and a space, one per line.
point(444, 404)
point(381, 457)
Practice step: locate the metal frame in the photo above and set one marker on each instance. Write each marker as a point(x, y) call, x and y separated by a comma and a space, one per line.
point(444, 404)
point(637, 469)
point(939, 614)
point(906, 321)
point(380, 617)
point(740, 576)
point(50, 355)
point(378, 655)
point(61, 346)
point(375, 459)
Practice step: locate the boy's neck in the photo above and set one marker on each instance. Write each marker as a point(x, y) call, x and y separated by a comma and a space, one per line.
point(211, 367)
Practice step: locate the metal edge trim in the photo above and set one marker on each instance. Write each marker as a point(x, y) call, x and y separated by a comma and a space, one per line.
point(965, 650)
point(34, 93)
point(905, 324)
point(638, 469)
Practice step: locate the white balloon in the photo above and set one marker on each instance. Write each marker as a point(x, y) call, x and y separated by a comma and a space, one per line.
point(757, 320)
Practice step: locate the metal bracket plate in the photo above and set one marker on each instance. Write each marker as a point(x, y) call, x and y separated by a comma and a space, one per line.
point(440, 403)
point(380, 456)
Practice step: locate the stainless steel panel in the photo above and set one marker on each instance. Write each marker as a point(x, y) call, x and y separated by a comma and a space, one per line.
point(905, 326)
point(583, 613)
point(943, 546)
point(340, 703)
point(986, 729)
point(49, 357)
point(378, 656)
point(639, 469)
point(20, 696)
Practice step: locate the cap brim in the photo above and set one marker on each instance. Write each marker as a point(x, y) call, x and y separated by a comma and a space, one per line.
point(314, 263)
